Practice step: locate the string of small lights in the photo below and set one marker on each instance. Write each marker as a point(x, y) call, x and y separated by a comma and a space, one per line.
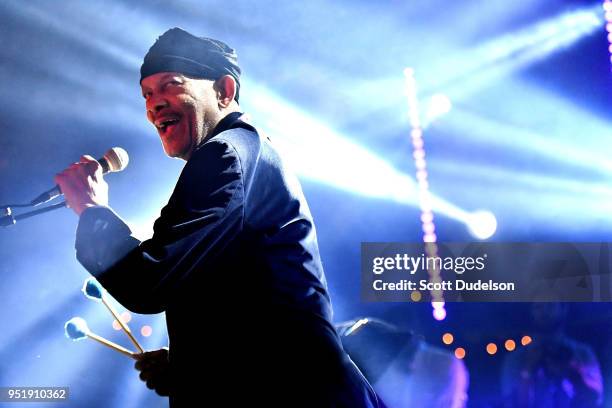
point(425, 200)
point(607, 6)
point(491, 348)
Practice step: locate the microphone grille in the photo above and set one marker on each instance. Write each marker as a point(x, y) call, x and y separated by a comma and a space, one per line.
point(117, 159)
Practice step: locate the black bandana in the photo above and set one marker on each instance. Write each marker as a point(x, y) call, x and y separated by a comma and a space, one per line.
point(178, 51)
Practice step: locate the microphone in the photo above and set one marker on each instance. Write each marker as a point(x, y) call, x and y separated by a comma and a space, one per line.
point(114, 160)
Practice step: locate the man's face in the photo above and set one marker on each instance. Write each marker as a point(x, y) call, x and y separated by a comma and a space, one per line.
point(182, 109)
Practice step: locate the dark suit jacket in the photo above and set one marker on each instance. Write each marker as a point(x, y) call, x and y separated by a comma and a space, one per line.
point(235, 265)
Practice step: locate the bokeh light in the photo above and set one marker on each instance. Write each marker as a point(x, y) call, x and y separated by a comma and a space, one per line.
point(146, 331)
point(482, 224)
point(491, 348)
point(439, 314)
point(116, 325)
point(460, 353)
point(126, 317)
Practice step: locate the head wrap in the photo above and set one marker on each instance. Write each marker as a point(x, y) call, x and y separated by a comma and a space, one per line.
point(176, 50)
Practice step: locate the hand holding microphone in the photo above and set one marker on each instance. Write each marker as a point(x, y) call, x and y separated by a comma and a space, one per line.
point(83, 183)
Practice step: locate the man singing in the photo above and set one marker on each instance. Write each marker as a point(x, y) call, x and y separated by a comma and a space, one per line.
point(233, 260)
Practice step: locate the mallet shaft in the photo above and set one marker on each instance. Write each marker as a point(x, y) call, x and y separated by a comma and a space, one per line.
point(112, 345)
point(124, 326)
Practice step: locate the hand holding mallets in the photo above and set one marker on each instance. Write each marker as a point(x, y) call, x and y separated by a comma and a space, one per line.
point(76, 329)
point(93, 290)
point(153, 365)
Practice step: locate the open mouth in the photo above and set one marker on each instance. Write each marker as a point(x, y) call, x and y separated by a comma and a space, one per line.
point(164, 126)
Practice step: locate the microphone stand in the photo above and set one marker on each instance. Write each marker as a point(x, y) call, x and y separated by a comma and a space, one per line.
point(7, 218)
